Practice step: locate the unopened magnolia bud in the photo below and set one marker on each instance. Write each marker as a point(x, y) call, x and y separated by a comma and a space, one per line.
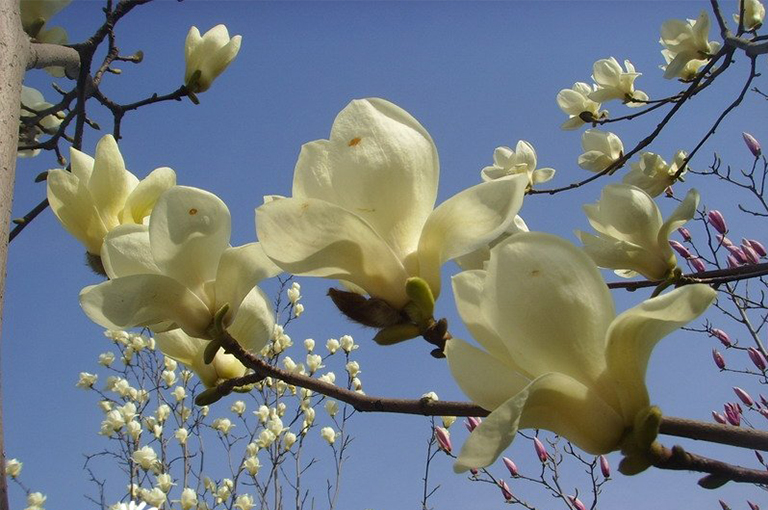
point(697, 265)
point(421, 295)
point(724, 240)
point(752, 506)
point(752, 144)
point(576, 502)
point(511, 466)
point(685, 233)
point(679, 248)
point(757, 358)
point(732, 415)
point(733, 262)
point(372, 312)
point(759, 457)
point(743, 396)
point(757, 246)
point(719, 361)
point(750, 254)
point(722, 336)
point(724, 505)
point(717, 221)
point(505, 490)
point(443, 439)
point(605, 468)
point(737, 253)
point(541, 451)
point(719, 418)
point(471, 423)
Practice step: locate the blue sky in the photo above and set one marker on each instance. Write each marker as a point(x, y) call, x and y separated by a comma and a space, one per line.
point(476, 75)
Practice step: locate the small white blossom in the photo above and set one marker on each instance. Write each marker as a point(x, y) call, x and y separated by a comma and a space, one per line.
point(331, 407)
point(106, 358)
point(329, 378)
point(36, 499)
point(294, 293)
point(162, 413)
point(169, 377)
point(576, 103)
point(181, 435)
point(164, 482)
point(332, 345)
point(154, 497)
point(105, 405)
point(188, 499)
point(298, 310)
point(262, 413)
point(86, 380)
point(348, 343)
point(170, 363)
point(223, 425)
point(314, 362)
point(145, 457)
point(13, 467)
point(353, 368)
point(288, 439)
point(328, 434)
point(430, 396)
point(309, 345)
point(448, 421)
point(601, 149)
point(252, 465)
point(133, 429)
point(114, 419)
point(179, 393)
point(266, 438)
point(252, 449)
point(128, 411)
point(244, 502)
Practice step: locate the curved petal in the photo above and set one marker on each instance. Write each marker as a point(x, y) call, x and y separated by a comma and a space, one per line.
point(144, 300)
point(625, 212)
point(189, 229)
point(526, 155)
point(110, 183)
point(542, 175)
point(126, 252)
point(142, 199)
point(467, 221)
point(240, 269)
point(72, 204)
point(254, 322)
point(379, 164)
point(180, 346)
point(614, 253)
point(316, 238)
point(633, 335)
point(606, 72)
point(553, 402)
point(547, 300)
point(681, 215)
point(217, 62)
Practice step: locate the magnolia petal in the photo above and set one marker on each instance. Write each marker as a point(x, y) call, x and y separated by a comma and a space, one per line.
point(81, 164)
point(220, 60)
point(467, 221)
point(549, 303)
point(681, 215)
point(72, 204)
point(542, 175)
point(126, 252)
point(240, 269)
point(379, 164)
point(627, 213)
point(144, 300)
point(570, 101)
point(612, 253)
point(633, 335)
point(477, 259)
point(484, 378)
point(189, 229)
point(526, 155)
point(180, 346)
point(574, 122)
point(254, 322)
point(553, 402)
point(110, 183)
point(142, 199)
point(316, 238)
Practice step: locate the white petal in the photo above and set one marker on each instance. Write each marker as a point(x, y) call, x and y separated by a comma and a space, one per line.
point(240, 269)
point(110, 183)
point(615, 253)
point(126, 251)
point(254, 321)
point(626, 213)
point(681, 215)
point(71, 202)
point(542, 175)
point(142, 199)
point(178, 345)
point(526, 155)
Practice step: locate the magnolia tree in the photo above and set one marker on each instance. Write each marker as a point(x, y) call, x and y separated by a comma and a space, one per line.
point(204, 354)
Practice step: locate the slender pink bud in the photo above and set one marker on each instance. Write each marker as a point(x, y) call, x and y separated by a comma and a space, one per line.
point(724, 240)
point(758, 359)
point(759, 457)
point(719, 361)
point(750, 254)
point(679, 248)
point(724, 505)
point(743, 396)
point(697, 265)
point(685, 233)
point(443, 439)
point(738, 408)
point(722, 336)
point(764, 412)
point(511, 467)
point(540, 450)
point(505, 490)
point(733, 262)
point(737, 254)
point(752, 506)
point(752, 144)
point(605, 467)
point(717, 221)
point(471, 423)
point(757, 246)
point(732, 415)
point(577, 504)
point(719, 418)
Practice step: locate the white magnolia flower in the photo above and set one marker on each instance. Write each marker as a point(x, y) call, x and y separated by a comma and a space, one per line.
point(164, 482)
point(208, 56)
point(348, 344)
point(154, 497)
point(652, 174)
point(328, 434)
point(754, 14)
point(36, 499)
point(686, 41)
point(188, 499)
point(554, 354)
point(631, 236)
point(132, 505)
point(244, 502)
point(362, 206)
point(601, 149)
point(145, 457)
point(179, 270)
point(477, 259)
point(32, 101)
point(181, 435)
point(86, 380)
point(106, 358)
point(615, 83)
point(99, 194)
point(576, 103)
point(238, 407)
point(332, 345)
point(13, 467)
point(522, 161)
point(223, 425)
point(252, 465)
point(331, 407)
point(179, 393)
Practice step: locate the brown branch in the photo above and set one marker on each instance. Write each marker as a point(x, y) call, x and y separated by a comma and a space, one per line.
point(43, 55)
point(714, 277)
point(715, 433)
point(678, 459)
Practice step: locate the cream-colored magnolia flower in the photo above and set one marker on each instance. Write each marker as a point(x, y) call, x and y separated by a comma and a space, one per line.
point(601, 150)
point(652, 174)
point(687, 73)
point(208, 56)
point(754, 14)
point(508, 162)
point(145, 457)
point(179, 270)
point(477, 259)
point(686, 41)
point(32, 101)
point(615, 83)
point(99, 194)
point(576, 103)
point(188, 499)
point(362, 206)
point(554, 354)
point(631, 236)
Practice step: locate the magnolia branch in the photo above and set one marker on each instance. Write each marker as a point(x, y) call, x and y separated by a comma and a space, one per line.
point(714, 277)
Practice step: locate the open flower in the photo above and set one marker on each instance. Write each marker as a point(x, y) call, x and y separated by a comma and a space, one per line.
point(508, 162)
point(554, 354)
point(630, 234)
point(178, 271)
point(32, 101)
point(754, 14)
point(615, 83)
point(686, 42)
point(652, 174)
point(577, 104)
point(362, 204)
point(100, 194)
point(601, 150)
point(208, 56)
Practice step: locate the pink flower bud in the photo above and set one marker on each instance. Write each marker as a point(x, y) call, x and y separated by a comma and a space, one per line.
point(717, 221)
point(541, 451)
point(758, 359)
point(750, 254)
point(685, 233)
point(733, 262)
point(732, 415)
point(576, 502)
point(511, 467)
point(752, 144)
point(722, 336)
point(764, 412)
point(505, 490)
point(724, 240)
point(697, 265)
point(756, 245)
point(759, 457)
point(443, 439)
point(763, 400)
point(719, 418)
point(679, 248)
point(605, 468)
point(719, 361)
point(724, 505)
point(737, 254)
point(472, 423)
point(752, 506)
point(743, 396)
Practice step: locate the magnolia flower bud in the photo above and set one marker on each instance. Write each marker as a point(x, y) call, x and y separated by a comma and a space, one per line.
point(605, 468)
point(511, 466)
point(755, 245)
point(188, 499)
point(732, 415)
point(288, 439)
point(36, 499)
point(737, 253)
point(743, 396)
point(719, 361)
point(208, 56)
point(541, 451)
point(328, 434)
point(679, 248)
point(332, 345)
point(471, 423)
point(86, 380)
point(505, 490)
point(576, 502)
point(750, 254)
point(252, 465)
point(13, 468)
point(757, 358)
point(448, 421)
point(238, 408)
point(722, 336)
point(685, 233)
point(752, 144)
point(309, 345)
point(164, 482)
point(347, 344)
point(697, 265)
point(181, 435)
point(733, 262)
point(719, 418)
point(717, 221)
point(443, 438)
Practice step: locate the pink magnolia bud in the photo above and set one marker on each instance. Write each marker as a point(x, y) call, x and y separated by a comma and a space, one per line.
point(540, 450)
point(764, 412)
point(733, 262)
point(719, 418)
point(697, 265)
point(511, 467)
point(505, 490)
point(757, 358)
point(750, 254)
point(763, 400)
point(724, 505)
point(685, 233)
point(722, 336)
point(719, 361)
point(443, 439)
point(752, 144)
point(605, 468)
point(743, 396)
point(679, 248)
point(724, 240)
point(471, 423)
point(756, 245)
point(759, 457)
point(717, 221)
point(732, 415)
point(576, 502)
point(737, 254)
point(752, 506)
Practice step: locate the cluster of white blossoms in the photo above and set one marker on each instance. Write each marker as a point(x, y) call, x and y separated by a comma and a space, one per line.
point(32, 103)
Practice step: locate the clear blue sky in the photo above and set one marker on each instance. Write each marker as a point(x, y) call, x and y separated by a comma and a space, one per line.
point(476, 75)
